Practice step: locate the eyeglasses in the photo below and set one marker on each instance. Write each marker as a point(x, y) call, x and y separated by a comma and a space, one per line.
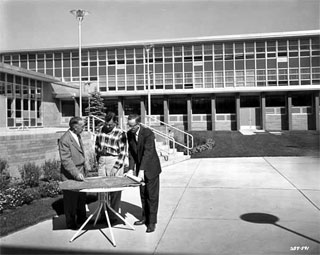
point(132, 126)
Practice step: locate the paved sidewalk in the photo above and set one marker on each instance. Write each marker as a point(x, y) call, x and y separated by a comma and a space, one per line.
point(263, 205)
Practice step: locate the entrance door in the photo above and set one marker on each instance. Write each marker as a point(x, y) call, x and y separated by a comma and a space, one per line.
point(250, 112)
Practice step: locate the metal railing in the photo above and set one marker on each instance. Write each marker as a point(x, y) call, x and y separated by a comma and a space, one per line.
point(94, 123)
point(169, 133)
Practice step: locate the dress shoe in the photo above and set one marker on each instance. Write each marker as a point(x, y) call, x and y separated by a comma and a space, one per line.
point(151, 228)
point(139, 222)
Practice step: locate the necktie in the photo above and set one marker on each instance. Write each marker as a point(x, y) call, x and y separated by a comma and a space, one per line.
point(80, 141)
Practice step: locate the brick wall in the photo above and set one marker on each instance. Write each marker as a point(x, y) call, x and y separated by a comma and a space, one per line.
point(37, 148)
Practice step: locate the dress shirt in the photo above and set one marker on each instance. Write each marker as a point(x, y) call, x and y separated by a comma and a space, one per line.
point(75, 136)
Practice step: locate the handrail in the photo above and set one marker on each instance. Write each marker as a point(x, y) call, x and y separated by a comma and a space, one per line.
point(93, 123)
point(165, 135)
point(168, 138)
point(189, 136)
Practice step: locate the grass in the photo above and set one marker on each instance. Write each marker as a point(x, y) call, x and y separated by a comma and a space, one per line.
point(227, 144)
point(27, 215)
point(235, 144)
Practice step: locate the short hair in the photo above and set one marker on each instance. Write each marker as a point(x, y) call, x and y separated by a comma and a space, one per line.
point(135, 117)
point(74, 121)
point(111, 116)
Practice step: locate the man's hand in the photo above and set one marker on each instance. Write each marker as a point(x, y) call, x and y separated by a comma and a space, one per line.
point(130, 172)
point(80, 177)
point(141, 175)
point(114, 171)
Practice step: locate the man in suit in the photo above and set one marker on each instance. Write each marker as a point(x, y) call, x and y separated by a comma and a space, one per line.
point(73, 167)
point(144, 159)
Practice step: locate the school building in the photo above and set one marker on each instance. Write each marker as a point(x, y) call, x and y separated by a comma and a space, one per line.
point(267, 81)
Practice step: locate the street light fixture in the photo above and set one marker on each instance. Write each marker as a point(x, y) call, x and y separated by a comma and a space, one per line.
point(79, 14)
point(148, 48)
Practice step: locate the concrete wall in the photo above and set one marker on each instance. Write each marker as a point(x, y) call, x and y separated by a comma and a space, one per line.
point(50, 108)
point(3, 114)
point(35, 148)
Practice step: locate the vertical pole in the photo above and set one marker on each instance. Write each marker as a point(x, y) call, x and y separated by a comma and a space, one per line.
point(80, 69)
point(149, 95)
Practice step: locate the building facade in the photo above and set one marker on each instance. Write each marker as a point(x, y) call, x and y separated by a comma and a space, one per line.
point(259, 81)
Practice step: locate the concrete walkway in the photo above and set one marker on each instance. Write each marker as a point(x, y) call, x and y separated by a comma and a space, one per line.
point(207, 206)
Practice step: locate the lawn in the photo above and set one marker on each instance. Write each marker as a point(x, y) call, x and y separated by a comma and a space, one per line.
point(27, 215)
point(235, 144)
point(227, 144)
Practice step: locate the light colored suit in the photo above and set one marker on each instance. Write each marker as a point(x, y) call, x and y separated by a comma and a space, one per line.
point(73, 163)
point(72, 157)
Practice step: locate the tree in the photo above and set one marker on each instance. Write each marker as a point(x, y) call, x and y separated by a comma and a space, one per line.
point(96, 108)
point(96, 105)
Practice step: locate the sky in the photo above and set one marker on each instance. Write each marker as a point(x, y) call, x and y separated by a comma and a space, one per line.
point(45, 24)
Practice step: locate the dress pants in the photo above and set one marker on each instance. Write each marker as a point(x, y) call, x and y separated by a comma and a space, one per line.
point(106, 164)
point(74, 204)
point(150, 199)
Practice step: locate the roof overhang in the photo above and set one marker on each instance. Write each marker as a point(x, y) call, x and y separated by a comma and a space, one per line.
point(63, 91)
point(203, 39)
point(27, 73)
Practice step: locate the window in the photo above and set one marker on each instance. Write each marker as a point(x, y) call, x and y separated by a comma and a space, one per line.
point(225, 105)
point(177, 106)
point(275, 101)
point(67, 108)
point(201, 105)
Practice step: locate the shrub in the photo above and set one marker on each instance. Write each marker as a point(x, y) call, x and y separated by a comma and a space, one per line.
point(17, 195)
point(32, 193)
point(3, 201)
point(5, 177)
point(210, 143)
point(49, 189)
point(14, 197)
point(51, 170)
point(30, 174)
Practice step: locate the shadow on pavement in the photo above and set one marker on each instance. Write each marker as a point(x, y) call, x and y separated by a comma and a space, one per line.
point(264, 218)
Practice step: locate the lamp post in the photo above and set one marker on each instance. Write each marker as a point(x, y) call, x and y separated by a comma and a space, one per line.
point(79, 14)
point(148, 48)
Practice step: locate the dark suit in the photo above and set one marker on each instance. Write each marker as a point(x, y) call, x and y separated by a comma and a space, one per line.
point(143, 155)
point(72, 163)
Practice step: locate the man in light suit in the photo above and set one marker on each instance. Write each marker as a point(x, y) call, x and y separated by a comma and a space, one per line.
point(73, 167)
point(144, 159)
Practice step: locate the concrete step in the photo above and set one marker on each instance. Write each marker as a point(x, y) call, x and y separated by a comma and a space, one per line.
point(173, 160)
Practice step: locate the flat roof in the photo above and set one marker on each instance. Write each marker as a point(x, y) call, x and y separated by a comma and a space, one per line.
point(182, 40)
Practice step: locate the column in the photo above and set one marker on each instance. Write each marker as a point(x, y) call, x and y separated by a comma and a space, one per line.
point(76, 107)
point(263, 111)
point(143, 110)
point(238, 110)
point(316, 110)
point(213, 112)
point(166, 110)
point(289, 110)
point(189, 112)
point(122, 121)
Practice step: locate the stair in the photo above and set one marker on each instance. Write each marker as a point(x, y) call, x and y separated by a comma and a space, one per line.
point(168, 156)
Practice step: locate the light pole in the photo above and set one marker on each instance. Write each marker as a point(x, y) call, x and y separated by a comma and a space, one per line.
point(148, 48)
point(79, 14)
